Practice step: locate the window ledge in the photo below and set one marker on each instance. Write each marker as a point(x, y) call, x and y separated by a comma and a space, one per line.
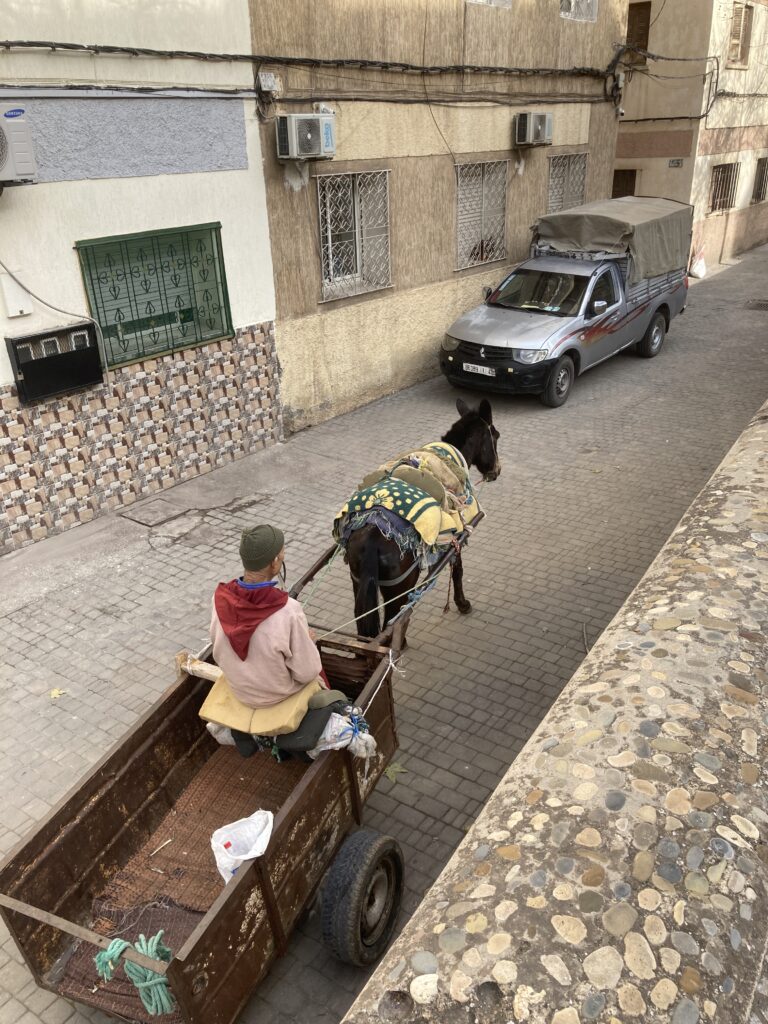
point(737, 67)
point(169, 352)
point(479, 266)
point(356, 295)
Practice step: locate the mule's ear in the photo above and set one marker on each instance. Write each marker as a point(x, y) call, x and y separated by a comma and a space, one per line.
point(462, 407)
point(485, 413)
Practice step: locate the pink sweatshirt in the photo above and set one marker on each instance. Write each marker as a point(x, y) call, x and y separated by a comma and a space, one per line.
point(281, 657)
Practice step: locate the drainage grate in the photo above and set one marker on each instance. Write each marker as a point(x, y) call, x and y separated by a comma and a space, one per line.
point(761, 304)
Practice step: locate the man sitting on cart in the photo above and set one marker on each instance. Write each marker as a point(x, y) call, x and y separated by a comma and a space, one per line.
point(261, 639)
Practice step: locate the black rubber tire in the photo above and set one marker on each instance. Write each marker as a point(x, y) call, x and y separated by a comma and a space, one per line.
point(653, 339)
point(361, 897)
point(559, 384)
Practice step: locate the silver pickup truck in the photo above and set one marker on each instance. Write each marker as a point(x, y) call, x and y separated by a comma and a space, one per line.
point(602, 277)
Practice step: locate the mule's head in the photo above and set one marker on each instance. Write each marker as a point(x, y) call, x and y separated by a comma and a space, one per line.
point(476, 438)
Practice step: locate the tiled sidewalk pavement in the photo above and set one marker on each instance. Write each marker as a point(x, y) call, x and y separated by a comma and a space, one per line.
point(587, 496)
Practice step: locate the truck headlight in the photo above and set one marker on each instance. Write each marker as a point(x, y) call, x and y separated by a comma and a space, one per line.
point(529, 355)
point(450, 344)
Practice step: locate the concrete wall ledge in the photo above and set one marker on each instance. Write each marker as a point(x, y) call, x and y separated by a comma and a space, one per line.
point(619, 871)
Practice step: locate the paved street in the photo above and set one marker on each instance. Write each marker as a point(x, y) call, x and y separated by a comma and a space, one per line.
point(587, 496)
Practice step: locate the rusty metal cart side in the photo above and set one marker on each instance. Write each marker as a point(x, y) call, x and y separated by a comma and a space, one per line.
point(48, 885)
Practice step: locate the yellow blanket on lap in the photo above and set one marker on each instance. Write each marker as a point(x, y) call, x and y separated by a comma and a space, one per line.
point(222, 707)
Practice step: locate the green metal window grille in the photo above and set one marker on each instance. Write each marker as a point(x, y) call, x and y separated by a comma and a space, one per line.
point(159, 292)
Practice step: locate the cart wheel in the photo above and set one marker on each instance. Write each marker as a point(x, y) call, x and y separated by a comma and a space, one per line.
point(361, 897)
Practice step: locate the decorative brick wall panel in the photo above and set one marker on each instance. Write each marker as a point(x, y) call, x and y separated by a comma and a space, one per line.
point(158, 422)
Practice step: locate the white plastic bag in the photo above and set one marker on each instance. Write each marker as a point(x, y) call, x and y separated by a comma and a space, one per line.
point(337, 734)
point(221, 734)
point(698, 268)
point(242, 840)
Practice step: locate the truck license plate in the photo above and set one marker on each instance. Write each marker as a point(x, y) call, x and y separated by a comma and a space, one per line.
point(487, 371)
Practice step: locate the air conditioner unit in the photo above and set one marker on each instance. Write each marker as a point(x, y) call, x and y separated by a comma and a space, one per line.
point(17, 154)
point(306, 137)
point(54, 362)
point(533, 130)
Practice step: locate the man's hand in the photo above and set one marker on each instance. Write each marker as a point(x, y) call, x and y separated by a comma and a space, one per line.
point(313, 636)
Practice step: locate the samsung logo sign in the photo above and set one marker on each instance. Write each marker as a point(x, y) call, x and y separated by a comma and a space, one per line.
point(16, 112)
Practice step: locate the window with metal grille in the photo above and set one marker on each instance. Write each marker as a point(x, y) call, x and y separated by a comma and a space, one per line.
point(159, 292)
point(354, 233)
point(741, 34)
point(579, 10)
point(481, 205)
point(722, 193)
point(760, 188)
point(638, 28)
point(567, 181)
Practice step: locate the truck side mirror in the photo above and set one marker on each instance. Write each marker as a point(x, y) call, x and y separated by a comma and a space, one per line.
point(487, 292)
point(599, 306)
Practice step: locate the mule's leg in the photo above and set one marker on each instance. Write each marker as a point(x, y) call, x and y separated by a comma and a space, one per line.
point(457, 575)
point(400, 598)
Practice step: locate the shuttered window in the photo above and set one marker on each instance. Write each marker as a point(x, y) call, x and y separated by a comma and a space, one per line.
point(481, 205)
point(722, 193)
point(638, 27)
point(159, 292)
point(741, 33)
point(567, 181)
point(760, 189)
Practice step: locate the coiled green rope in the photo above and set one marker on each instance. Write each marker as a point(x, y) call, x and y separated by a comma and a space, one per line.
point(153, 988)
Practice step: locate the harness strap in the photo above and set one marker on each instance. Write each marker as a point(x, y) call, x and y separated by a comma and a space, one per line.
point(391, 583)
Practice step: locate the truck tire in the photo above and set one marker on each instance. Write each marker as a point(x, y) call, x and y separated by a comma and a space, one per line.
point(653, 338)
point(559, 384)
point(361, 897)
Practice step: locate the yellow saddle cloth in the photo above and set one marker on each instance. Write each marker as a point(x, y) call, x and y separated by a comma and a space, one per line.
point(428, 487)
point(222, 707)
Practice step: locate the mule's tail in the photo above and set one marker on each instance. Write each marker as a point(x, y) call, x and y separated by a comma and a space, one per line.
point(367, 596)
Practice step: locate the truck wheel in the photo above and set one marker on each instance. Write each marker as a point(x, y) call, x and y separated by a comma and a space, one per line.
point(653, 339)
point(361, 897)
point(559, 384)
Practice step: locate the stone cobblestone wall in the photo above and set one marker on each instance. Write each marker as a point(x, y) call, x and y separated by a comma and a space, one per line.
point(156, 423)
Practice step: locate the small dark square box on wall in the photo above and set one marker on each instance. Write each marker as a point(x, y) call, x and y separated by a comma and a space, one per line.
point(55, 362)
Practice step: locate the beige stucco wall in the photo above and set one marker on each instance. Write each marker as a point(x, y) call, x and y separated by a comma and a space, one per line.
point(734, 128)
point(337, 355)
point(339, 358)
point(221, 26)
point(368, 131)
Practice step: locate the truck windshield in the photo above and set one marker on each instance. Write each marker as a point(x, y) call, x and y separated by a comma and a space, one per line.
point(541, 291)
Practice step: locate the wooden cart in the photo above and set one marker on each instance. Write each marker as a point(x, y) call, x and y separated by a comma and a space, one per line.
point(128, 852)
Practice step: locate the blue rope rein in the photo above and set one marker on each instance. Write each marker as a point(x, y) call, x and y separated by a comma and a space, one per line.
point(152, 987)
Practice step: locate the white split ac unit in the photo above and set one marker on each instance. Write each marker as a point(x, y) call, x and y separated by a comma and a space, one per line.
point(533, 130)
point(306, 137)
point(17, 155)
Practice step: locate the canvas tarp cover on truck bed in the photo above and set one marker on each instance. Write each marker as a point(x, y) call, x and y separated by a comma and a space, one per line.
point(657, 232)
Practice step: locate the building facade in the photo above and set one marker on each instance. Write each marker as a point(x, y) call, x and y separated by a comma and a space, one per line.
point(695, 127)
point(148, 215)
point(427, 199)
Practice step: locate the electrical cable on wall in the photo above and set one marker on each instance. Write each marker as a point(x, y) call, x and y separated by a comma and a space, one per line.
point(66, 312)
point(401, 67)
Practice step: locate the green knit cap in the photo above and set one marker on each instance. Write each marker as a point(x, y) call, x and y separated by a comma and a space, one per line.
point(259, 546)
